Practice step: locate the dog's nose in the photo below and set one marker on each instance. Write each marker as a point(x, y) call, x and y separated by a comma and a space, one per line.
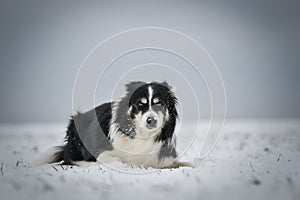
point(151, 122)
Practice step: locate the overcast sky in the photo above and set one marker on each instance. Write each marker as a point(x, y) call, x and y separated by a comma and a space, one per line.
point(255, 44)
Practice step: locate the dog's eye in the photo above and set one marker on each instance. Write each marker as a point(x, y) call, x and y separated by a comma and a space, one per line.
point(140, 104)
point(156, 101)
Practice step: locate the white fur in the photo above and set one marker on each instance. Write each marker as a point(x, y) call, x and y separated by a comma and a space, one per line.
point(150, 91)
point(137, 152)
point(143, 123)
point(85, 163)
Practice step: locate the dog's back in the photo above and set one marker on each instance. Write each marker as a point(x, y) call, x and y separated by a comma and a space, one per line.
point(83, 130)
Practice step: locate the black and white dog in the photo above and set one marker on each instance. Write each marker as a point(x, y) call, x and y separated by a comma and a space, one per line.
point(137, 130)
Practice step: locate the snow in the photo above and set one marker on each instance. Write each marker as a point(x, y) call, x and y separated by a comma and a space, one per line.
point(255, 159)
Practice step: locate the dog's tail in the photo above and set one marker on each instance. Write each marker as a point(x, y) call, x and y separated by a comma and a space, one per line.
point(52, 155)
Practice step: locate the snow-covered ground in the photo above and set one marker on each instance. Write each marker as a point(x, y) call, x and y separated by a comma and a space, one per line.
point(255, 159)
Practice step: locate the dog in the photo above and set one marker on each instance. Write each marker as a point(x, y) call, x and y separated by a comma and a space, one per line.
point(137, 130)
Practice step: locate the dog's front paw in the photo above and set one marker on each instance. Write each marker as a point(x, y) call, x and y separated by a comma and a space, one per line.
point(177, 164)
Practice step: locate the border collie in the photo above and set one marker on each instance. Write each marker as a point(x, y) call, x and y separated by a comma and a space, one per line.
point(137, 130)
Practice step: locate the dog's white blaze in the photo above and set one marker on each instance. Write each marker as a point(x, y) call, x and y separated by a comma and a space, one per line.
point(150, 91)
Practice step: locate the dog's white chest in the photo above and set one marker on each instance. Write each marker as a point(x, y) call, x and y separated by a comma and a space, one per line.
point(137, 151)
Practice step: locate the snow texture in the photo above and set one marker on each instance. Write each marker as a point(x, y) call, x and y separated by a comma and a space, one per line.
point(255, 159)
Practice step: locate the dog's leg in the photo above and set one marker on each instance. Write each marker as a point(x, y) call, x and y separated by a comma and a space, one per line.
point(177, 164)
point(85, 163)
point(108, 157)
point(104, 157)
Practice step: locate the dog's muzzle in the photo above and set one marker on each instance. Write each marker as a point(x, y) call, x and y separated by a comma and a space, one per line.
point(151, 122)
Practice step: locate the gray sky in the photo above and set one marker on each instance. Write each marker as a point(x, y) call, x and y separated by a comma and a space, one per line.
point(255, 44)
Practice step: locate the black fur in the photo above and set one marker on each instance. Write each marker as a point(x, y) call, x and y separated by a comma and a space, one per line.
point(74, 149)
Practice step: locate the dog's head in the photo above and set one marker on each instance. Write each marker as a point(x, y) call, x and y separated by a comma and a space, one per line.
point(150, 106)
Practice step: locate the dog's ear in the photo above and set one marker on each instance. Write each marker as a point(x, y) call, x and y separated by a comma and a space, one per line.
point(169, 127)
point(172, 100)
point(132, 86)
point(164, 83)
point(171, 89)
